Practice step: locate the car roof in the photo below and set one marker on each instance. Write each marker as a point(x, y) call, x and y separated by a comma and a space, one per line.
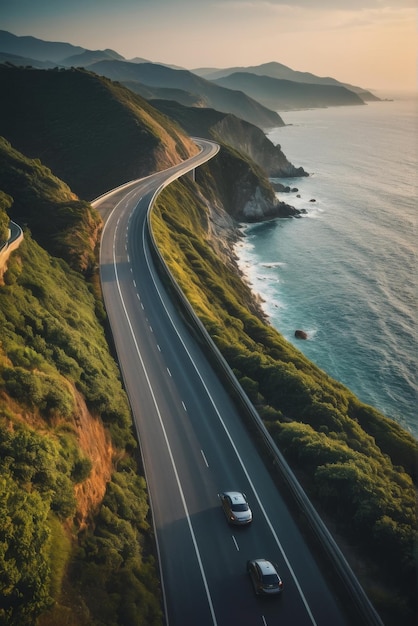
point(266, 567)
point(236, 496)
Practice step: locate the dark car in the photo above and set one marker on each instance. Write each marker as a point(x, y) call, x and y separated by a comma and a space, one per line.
point(236, 508)
point(264, 577)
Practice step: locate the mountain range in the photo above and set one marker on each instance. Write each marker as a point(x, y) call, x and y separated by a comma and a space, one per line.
point(254, 94)
point(280, 71)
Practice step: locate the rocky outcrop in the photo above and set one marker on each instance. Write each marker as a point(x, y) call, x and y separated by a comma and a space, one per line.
point(251, 141)
point(301, 334)
point(259, 208)
point(283, 188)
point(247, 195)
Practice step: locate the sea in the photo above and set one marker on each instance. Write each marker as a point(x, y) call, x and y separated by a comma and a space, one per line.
point(346, 271)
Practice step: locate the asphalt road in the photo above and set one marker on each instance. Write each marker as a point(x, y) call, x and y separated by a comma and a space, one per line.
point(194, 445)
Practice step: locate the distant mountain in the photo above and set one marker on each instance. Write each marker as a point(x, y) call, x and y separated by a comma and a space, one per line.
point(282, 95)
point(165, 93)
point(215, 96)
point(91, 56)
point(280, 71)
point(19, 61)
point(92, 133)
point(140, 60)
point(34, 48)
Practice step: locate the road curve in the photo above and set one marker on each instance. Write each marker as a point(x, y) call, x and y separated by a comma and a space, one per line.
point(194, 445)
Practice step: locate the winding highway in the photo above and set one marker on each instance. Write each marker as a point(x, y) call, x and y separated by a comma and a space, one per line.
point(194, 445)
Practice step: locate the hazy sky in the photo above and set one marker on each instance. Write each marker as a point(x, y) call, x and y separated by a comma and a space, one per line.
point(372, 43)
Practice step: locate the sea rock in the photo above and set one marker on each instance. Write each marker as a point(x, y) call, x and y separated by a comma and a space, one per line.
point(301, 334)
point(258, 209)
point(280, 187)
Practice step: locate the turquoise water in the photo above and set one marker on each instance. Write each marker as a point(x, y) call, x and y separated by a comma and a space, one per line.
point(346, 273)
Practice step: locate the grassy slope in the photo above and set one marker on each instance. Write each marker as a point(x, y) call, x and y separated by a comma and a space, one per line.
point(357, 465)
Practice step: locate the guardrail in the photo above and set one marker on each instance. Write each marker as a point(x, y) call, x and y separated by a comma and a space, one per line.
point(11, 244)
point(339, 571)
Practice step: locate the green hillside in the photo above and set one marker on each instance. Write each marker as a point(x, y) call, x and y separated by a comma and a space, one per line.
point(64, 225)
point(74, 510)
point(92, 133)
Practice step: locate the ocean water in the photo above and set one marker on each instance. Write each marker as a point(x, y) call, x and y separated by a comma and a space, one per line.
point(346, 272)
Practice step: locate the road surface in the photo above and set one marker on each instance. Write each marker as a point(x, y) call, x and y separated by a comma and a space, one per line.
point(194, 445)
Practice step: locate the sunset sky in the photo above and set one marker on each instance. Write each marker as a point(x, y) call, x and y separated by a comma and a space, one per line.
point(371, 43)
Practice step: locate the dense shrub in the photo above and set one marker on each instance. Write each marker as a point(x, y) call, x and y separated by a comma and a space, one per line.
point(112, 557)
point(32, 484)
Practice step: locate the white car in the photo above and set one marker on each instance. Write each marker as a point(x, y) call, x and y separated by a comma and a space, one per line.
point(236, 508)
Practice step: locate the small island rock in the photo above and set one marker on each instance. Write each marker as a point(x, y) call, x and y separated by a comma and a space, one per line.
point(301, 334)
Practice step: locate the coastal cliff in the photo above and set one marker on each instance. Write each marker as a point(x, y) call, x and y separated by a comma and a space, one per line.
point(245, 191)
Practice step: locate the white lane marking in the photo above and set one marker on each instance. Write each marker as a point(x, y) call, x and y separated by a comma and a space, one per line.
point(169, 373)
point(151, 329)
point(158, 346)
point(184, 406)
point(173, 463)
point(204, 458)
point(270, 525)
point(235, 541)
point(264, 620)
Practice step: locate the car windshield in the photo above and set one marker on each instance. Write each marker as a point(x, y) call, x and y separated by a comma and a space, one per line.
point(270, 580)
point(240, 507)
